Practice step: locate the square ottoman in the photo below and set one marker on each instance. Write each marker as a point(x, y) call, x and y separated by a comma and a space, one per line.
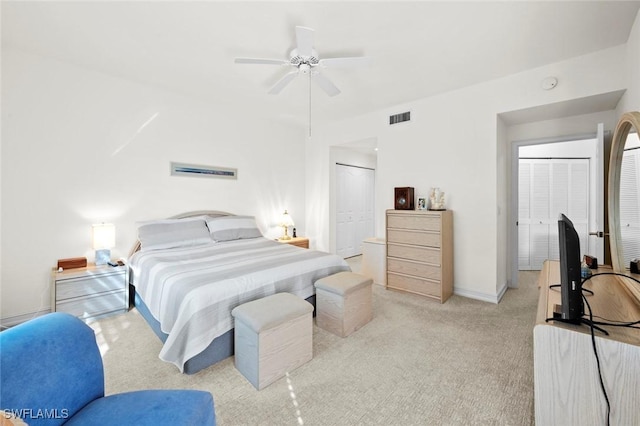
point(273, 335)
point(343, 302)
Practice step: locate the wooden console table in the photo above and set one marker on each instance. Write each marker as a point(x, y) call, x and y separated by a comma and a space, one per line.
point(567, 388)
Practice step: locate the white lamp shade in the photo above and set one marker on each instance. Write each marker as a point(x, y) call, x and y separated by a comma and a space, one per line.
point(104, 236)
point(286, 220)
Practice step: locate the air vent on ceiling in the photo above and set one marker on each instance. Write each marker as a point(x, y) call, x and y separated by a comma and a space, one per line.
point(400, 118)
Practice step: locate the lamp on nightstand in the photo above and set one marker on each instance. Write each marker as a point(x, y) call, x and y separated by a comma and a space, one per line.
point(286, 222)
point(104, 238)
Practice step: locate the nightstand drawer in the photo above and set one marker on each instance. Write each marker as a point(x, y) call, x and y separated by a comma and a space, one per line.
point(90, 291)
point(296, 241)
point(87, 307)
point(86, 286)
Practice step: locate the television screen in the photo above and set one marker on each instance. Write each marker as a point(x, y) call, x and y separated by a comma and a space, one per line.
point(572, 307)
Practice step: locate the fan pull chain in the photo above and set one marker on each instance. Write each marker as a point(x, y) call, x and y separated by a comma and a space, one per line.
point(309, 105)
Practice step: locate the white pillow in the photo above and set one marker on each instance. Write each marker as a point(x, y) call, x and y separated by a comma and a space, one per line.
point(227, 228)
point(172, 233)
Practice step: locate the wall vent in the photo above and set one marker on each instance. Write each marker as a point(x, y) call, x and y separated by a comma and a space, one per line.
point(400, 118)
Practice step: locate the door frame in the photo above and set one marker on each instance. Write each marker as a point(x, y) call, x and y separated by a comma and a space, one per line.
point(512, 229)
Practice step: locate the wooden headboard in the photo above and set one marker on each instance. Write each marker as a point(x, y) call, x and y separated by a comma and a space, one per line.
point(212, 213)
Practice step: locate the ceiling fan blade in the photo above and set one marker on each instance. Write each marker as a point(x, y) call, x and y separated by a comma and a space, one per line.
point(286, 79)
point(325, 84)
point(304, 40)
point(261, 61)
point(354, 62)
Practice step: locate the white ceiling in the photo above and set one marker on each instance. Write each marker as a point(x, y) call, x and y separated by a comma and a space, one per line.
point(418, 48)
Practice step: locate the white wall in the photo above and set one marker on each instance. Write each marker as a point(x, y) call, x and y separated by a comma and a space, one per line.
point(75, 152)
point(455, 141)
point(631, 66)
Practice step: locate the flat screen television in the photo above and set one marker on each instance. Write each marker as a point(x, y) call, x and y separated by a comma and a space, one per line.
point(572, 306)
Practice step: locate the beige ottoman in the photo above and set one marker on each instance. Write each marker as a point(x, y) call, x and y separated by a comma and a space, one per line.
point(273, 336)
point(343, 302)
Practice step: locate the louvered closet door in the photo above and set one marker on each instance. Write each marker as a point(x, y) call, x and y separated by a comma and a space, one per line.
point(630, 204)
point(524, 215)
point(546, 189)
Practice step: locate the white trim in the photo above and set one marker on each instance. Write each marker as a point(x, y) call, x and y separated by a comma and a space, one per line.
point(484, 297)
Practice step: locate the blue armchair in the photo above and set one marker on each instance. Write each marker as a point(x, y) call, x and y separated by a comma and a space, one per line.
point(51, 373)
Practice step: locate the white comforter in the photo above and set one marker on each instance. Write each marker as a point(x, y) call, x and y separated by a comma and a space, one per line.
point(191, 291)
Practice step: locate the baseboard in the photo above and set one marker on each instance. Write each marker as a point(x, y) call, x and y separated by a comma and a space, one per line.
point(491, 298)
point(502, 291)
point(8, 322)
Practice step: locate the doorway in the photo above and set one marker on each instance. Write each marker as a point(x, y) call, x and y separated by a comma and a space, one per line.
point(546, 188)
point(355, 202)
point(567, 147)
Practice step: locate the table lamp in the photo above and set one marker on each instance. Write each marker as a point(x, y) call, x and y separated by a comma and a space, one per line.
point(104, 238)
point(286, 222)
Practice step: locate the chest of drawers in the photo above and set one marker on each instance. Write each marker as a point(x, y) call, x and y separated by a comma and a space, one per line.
point(94, 291)
point(420, 252)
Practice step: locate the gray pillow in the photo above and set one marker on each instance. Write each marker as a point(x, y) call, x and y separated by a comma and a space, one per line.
point(227, 228)
point(172, 233)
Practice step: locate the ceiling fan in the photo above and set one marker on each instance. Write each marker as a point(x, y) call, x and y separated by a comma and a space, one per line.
point(304, 59)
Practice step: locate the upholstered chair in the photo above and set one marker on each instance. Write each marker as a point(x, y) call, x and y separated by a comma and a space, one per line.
point(51, 373)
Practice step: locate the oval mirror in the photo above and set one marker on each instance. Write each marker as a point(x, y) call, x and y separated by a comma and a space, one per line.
point(624, 192)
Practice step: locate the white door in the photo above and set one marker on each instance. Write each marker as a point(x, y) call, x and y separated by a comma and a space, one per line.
point(548, 187)
point(355, 189)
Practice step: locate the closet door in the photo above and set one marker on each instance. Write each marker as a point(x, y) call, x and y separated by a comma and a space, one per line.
point(524, 215)
point(355, 189)
point(540, 213)
point(548, 187)
point(579, 200)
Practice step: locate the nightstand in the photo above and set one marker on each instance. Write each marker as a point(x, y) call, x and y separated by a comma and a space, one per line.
point(296, 241)
point(90, 292)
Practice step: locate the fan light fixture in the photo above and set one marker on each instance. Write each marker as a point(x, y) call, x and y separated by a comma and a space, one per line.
point(305, 59)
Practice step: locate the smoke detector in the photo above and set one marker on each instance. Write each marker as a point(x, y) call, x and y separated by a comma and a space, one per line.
point(549, 83)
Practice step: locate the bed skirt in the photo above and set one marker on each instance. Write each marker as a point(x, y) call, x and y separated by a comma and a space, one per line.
point(221, 347)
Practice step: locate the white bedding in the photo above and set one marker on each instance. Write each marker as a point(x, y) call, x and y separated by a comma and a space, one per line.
point(191, 291)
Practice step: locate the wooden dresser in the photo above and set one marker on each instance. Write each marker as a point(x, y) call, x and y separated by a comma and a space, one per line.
point(566, 381)
point(420, 252)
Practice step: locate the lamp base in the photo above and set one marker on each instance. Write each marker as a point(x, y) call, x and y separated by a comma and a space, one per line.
point(285, 237)
point(103, 256)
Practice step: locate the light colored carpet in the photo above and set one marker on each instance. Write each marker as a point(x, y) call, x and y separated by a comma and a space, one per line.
point(417, 362)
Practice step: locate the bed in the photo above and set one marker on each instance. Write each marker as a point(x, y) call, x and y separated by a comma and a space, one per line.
point(190, 271)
